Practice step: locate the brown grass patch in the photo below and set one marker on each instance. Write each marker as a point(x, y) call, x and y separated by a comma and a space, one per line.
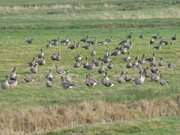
point(44, 119)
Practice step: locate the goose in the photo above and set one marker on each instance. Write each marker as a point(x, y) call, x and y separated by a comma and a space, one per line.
point(173, 37)
point(116, 52)
point(155, 36)
point(161, 62)
point(29, 40)
point(155, 77)
point(129, 36)
point(102, 69)
point(93, 53)
point(77, 64)
point(5, 84)
point(128, 58)
point(13, 83)
point(151, 60)
point(152, 41)
point(73, 45)
point(66, 41)
point(129, 64)
point(66, 83)
point(106, 58)
point(67, 76)
point(106, 81)
point(91, 41)
point(41, 61)
point(87, 65)
point(50, 75)
point(142, 60)
point(53, 42)
point(34, 68)
point(28, 78)
point(41, 54)
point(158, 47)
point(84, 39)
point(139, 80)
point(141, 36)
point(13, 75)
point(163, 42)
point(78, 58)
point(86, 46)
point(147, 72)
point(154, 69)
point(163, 82)
point(49, 83)
point(55, 56)
point(121, 78)
point(171, 66)
point(127, 77)
point(108, 40)
point(32, 62)
point(136, 62)
point(96, 62)
point(110, 65)
point(59, 71)
point(90, 82)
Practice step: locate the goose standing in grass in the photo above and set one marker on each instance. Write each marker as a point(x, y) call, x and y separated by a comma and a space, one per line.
point(163, 82)
point(127, 58)
point(13, 75)
point(155, 77)
point(90, 82)
point(127, 77)
point(106, 58)
point(102, 68)
point(139, 80)
point(77, 64)
point(116, 52)
point(41, 54)
point(121, 78)
point(59, 71)
point(110, 65)
point(49, 79)
point(32, 62)
point(55, 56)
point(34, 68)
point(108, 41)
point(141, 36)
point(106, 81)
point(173, 37)
point(29, 40)
point(67, 84)
point(88, 66)
point(41, 61)
point(50, 75)
point(161, 62)
point(93, 53)
point(28, 78)
point(5, 84)
point(78, 58)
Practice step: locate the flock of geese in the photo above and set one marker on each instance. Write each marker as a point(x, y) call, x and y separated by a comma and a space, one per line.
point(145, 67)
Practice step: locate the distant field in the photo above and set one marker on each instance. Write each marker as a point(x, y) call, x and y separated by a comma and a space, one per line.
point(44, 20)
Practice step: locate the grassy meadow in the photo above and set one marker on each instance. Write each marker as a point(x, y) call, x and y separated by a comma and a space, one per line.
point(44, 20)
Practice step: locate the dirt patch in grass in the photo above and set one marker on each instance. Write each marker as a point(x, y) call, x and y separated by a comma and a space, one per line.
point(45, 119)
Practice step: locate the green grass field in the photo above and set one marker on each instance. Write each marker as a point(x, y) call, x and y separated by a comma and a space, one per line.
point(44, 20)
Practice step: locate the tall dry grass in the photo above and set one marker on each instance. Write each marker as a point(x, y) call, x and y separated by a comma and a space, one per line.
point(44, 119)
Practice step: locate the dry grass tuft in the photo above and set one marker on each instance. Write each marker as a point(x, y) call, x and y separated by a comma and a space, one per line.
point(42, 120)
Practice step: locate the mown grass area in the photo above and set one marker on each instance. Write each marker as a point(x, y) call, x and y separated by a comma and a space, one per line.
point(15, 52)
point(158, 126)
